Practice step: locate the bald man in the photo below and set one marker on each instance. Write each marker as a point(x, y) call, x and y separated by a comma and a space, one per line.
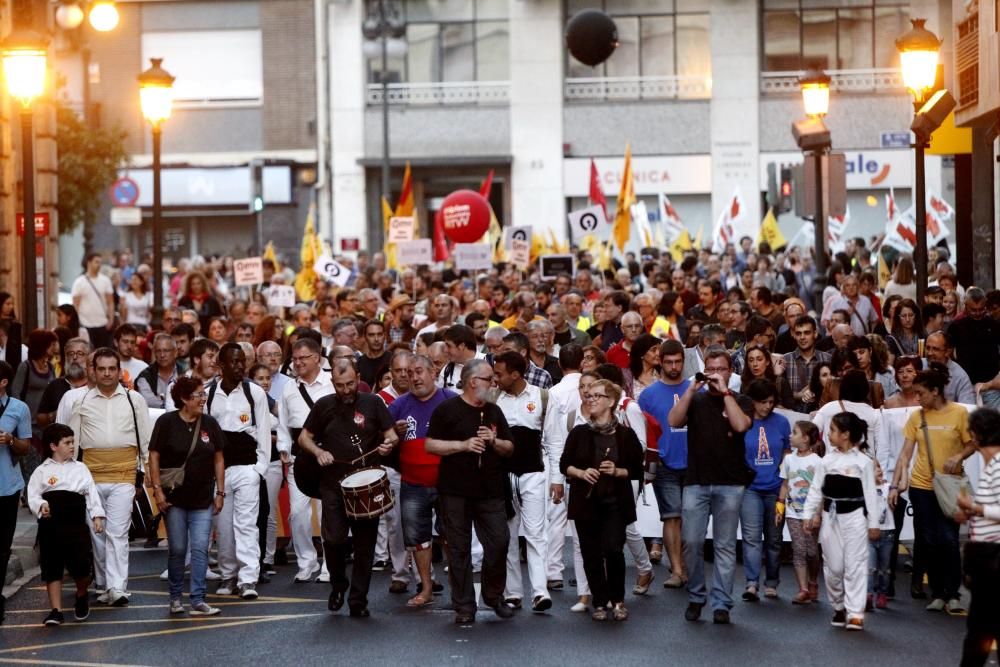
point(269, 354)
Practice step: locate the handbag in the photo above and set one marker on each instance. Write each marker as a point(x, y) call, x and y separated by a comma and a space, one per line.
point(173, 478)
point(947, 487)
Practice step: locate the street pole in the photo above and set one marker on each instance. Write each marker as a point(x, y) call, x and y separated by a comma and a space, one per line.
point(920, 250)
point(30, 277)
point(157, 241)
point(384, 36)
point(819, 228)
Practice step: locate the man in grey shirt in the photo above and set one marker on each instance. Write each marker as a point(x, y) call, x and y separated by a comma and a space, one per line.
point(959, 388)
point(153, 381)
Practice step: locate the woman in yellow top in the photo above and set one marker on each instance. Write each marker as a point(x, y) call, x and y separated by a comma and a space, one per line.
point(947, 425)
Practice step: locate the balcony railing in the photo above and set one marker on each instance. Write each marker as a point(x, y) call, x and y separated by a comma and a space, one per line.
point(442, 93)
point(844, 81)
point(639, 88)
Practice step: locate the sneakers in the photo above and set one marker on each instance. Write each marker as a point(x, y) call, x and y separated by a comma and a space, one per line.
point(54, 618)
point(227, 587)
point(642, 584)
point(104, 597)
point(856, 623)
point(515, 603)
point(165, 575)
point(269, 570)
point(379, 566)
point(881, 601)
point(248, 592)
point(323, 578)
point(203, 609)
point(81, 609)
point(693, 611)
point(554, 584)
point(839, 618)
point(581, 605)
point(117, 598)
point(937, 604)
point(176, 607)
point(302, 576)
point(541, 603)
point(720, 617)
point(212, 575)
point(955, 608)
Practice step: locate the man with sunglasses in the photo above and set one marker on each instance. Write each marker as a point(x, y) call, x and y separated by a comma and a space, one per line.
point(472, 437)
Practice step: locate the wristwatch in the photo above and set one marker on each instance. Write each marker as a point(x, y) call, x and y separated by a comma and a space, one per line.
point(221, 494)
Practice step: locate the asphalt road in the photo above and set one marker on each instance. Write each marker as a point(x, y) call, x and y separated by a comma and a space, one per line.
point(289, 625)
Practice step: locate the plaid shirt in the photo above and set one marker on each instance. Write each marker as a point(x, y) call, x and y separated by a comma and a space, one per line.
point(537, 376)
point(402, 334)
point(798, 372)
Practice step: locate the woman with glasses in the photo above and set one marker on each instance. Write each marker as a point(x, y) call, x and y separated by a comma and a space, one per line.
point(190, 440)
point(907, 329)
point(593, 357)
point(599, 461)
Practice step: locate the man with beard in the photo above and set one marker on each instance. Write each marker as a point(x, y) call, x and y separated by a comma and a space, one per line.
point(472, 438)
point(657, 401)
point(399, 317)
point(74, 375)
point(240, 407)
point(348, 424)
point(125, 337)
point(418, 495)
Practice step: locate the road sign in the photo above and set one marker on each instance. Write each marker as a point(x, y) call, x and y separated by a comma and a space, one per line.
point(126, 216)
point(248, 271)
point(124, 192)
point(350, 244)
point(41, 224)
point(895, 139)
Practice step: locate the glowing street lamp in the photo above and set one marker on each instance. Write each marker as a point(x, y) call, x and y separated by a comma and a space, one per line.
point(104, 16)
point(156, 98)
point(24, 63)
point(815, 86)
point(918, 57)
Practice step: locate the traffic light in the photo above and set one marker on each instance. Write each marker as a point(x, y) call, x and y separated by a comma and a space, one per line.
point(256, 186)
point(785, 191)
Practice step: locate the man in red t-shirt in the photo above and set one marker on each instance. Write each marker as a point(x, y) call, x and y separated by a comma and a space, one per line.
point(632, 328)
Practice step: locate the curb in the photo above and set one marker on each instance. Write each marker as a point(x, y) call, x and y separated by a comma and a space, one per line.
point(23, 565)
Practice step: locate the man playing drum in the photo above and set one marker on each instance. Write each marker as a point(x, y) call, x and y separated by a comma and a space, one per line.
point(347, 431)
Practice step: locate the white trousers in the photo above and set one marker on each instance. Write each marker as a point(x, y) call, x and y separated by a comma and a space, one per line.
point(582, 587)
point(300, 511)
point(844, 538)
point(389, 545)
point(528, 522)
point(556, 537)
point(111, 546)
point(636, 544)
point(273, 478)
point(239, 548)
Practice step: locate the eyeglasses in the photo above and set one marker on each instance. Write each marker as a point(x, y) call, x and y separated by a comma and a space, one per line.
point(722, 369)
point(304, 358)
point(199, 396)
point(486, 379)
point(78, 353)
point(594, 397)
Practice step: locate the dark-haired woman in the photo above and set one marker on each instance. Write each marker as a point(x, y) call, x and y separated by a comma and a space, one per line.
point(943, 427)
point(190, 439)
point(907, 329)
point(853, 398)
point(30, 380)
point(644, 363)
point(761, 364)
point(841, 505)
point(66, 316)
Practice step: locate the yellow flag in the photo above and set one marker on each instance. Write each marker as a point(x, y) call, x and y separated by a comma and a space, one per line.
point(697, 237)
point(626, 197)
point(680, 245)
point(311, 250)
point(390, 248)
point(271, 255)
point(884, 274)
point(770, 232)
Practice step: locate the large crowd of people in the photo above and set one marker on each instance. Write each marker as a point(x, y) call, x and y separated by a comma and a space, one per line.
point(433, 411)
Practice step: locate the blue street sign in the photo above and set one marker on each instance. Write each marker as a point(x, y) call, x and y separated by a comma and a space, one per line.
point(124, 192)
point(895, 139)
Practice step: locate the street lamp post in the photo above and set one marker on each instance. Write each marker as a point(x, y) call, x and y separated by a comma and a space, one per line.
point(156, 98)
point(384, 25)
point(815, 87)
point(918, 55)
point(24, 63)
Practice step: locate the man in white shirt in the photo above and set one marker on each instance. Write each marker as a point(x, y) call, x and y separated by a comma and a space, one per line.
point(297, 399)
point(112, 429)
point(269, 354)
point(241, 409)
point(93, 298)
point(460, 343)
point(125, 337)
point(443, 312)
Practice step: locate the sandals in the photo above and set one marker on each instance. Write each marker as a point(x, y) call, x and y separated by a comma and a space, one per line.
point(750, 594)
point(599, 614)
point(771, 592)
point(656, 554)
point(802, 597)
point(619, 612)
point(419, 601)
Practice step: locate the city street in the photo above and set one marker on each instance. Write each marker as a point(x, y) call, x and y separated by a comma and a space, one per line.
point(289, 625)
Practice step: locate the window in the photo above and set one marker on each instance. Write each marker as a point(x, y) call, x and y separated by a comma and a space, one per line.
point(450, 41)
point(656, 38)
point(210, 66)
point(855, 34)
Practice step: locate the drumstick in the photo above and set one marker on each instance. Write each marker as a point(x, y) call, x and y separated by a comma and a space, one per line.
point(482, 418)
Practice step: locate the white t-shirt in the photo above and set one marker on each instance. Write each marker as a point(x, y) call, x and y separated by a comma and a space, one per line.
point(93, 308)
point(798, 470)
point(137, 308)
point(131, 369)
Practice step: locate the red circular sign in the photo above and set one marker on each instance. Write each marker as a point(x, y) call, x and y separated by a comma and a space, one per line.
point(465, 215)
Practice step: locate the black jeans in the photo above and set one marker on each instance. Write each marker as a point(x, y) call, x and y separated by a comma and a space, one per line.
point(602, 543)
point(8, 522)
point(100, 337)
point(458, 514)
point(939, 552)
point(982, 569)
point(335, 527)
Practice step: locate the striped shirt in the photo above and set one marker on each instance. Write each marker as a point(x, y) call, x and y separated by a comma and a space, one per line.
point(986, 528)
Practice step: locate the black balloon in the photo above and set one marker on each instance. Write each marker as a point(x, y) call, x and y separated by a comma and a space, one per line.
point(591, 36)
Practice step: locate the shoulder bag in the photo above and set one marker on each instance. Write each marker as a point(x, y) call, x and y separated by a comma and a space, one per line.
point(947, 487)
point(173, 478)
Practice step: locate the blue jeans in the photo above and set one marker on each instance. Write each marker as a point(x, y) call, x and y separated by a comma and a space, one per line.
point(757, 519)
point(722, 504)
point(416, 504)
point(184, 526)
point(879, 557)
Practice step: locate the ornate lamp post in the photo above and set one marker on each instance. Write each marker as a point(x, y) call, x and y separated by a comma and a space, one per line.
point(156, 97)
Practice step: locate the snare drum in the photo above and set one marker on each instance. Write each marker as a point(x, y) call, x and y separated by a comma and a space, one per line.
point(367, 494)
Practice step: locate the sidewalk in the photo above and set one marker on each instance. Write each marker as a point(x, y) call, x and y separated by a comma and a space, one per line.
point(24, 557)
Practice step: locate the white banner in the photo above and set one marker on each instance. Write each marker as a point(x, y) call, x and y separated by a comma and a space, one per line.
point(400, 229)
point(248, 271)
point(473, 256)
point(519, 232)
point(333, 270)
point(586, 221)
point(411, 253)
point(281, 295)
point(520, 253)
